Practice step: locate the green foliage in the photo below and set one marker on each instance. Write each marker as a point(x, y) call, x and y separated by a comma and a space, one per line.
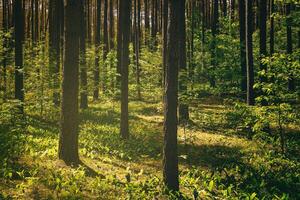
point(11, 137)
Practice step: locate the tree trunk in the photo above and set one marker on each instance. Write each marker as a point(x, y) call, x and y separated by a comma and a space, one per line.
point(165, 34)
point(271, 27)
point(83, 67)
point(54, 47)
point(183, 107)
point(119, 43)
point(105, 45)
point(111, 25)
point(68, 141)
point(97, 46)
point(147, 21)
point(291, 83)
point(263, 35)
point(5, 22)
point(19, 36)
point(125, 16)
point(36, 22)
point(225, 8)
point(249, 52)
point(214, 30)
point(137, 47)
point(242, 19)
point(170, 156)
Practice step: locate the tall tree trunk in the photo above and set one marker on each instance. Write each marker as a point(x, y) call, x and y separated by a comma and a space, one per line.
point(83, 67)
point(263, 35)
point(5, 19)
point(137, 46)
point(68, 140)
point(125, 16)
point(119, 43)
point(97, 46)
point(271, 27)
point(291, 83)
point(147, 21)
point(183, 107)
point(19, 36)
point(105, 45)
point(214, 30)
point(165, 38)
point(88, 13)
point(36, 22)
point(242, 19)
point(225, 8)
point(170, 156)
point(249, 52)
point(32, 21)
point(54, 46)
point(111, 25)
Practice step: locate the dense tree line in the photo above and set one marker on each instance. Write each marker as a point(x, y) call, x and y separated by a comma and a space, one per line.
point(193, 36)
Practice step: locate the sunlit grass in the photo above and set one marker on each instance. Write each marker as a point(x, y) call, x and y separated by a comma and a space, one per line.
point(211, 160)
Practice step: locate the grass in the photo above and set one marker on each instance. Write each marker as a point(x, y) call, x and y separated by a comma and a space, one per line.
point(212, 162)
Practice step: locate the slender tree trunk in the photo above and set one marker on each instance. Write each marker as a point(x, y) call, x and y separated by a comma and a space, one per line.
point(242, 19)
point(191, 62)
point(170, 156)
point(88, 13)
point(214, 30)
point(5, 18)
point(125, 15)
point(225, 8)
point(137, 47)
point(105, 45)
point(183, 107)
point(97, 46)
point(54, 47)
point(68, 141)
point(32, 21)
point(119, 43)
point(203, 30)
point(111, 25)
point(165, 34)
point(19, 36)
point(272, 27)
point(36, 22)
point(83, 67)
point(147, 21)
point(249, 52)
point(263, 35)
point(291, 83)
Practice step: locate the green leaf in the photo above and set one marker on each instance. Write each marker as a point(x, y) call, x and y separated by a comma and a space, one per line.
point(253, 195)
point(211, 185)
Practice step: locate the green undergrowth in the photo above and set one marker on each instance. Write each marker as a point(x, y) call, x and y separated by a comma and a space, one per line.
point(215, 163)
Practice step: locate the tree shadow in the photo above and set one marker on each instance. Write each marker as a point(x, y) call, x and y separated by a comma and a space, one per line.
point(211, 156)
point(99, 130)
point(90, 171)
point(99, 116)
point(43, 128)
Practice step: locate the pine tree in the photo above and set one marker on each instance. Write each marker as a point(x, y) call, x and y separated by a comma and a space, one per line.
point(68, 140)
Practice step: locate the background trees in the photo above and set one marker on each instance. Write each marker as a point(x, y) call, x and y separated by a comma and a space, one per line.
point(190, 69)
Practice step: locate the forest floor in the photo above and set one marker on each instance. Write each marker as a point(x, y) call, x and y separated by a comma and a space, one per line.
point(212, 162)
